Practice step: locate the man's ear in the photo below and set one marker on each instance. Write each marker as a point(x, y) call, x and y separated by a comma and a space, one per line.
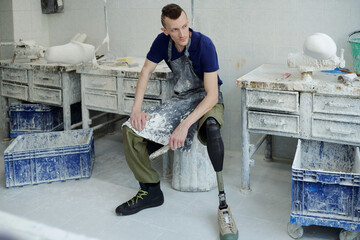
point(164, 31)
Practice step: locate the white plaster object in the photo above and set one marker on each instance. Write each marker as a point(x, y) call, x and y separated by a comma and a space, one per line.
point(308, 64)
point(79, 37)
point(73, 52)
point(319, 46)
point(28, 49)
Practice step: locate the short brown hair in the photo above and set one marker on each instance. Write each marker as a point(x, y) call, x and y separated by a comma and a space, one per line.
point(172, 11)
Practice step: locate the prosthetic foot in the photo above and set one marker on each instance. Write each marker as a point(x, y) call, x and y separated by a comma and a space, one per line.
point(228, 229)
point(227, 226)
point(149, 195)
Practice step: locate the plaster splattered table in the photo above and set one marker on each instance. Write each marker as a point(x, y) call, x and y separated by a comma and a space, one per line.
point(110, 88)
point(319, 109)
point(39, 82)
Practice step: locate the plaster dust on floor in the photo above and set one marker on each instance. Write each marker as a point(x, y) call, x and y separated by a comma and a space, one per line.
point(86, 207)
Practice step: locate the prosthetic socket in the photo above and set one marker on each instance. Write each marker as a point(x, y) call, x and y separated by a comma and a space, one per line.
point(215, 147)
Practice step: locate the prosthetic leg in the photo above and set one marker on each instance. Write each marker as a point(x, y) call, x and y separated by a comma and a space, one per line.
point(215, 147)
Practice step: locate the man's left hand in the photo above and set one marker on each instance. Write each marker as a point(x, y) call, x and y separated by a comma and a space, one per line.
point(177, 138)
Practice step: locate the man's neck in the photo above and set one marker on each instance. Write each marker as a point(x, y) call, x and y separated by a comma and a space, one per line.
point(179, 48)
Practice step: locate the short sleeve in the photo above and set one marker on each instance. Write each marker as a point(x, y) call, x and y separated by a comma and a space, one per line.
point(157, 51)
point(209, 57)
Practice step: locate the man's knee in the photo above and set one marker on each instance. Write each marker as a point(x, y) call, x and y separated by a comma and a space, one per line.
point(130, 137)
point(212, 125)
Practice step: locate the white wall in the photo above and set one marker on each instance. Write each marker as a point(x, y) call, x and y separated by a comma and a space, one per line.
point(246, 33)
point(29, 23)
point(6, 28)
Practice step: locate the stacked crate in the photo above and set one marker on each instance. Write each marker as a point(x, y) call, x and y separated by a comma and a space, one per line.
point(325, 188)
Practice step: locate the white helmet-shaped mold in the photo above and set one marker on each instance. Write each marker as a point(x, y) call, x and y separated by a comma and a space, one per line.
point(319, 46)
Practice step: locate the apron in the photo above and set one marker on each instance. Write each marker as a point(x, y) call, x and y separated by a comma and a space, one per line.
point(189, 91)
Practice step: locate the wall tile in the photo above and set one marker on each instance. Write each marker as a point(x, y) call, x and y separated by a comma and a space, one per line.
point(5, 5)
point(22, 25)
point(21, 5)
point(7, 31)
point(235, 134)
point(35, 5)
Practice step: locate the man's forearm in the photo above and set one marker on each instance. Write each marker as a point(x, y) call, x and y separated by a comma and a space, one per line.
point(204, 106)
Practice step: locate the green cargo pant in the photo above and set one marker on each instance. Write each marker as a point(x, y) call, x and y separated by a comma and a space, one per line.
point(136, 153)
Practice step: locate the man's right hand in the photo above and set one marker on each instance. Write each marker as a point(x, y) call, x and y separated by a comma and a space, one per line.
point(138, 120)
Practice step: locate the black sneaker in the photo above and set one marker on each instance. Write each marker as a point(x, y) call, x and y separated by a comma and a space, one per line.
point(149, 195)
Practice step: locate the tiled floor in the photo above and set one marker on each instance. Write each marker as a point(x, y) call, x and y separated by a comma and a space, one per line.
point(86, 207)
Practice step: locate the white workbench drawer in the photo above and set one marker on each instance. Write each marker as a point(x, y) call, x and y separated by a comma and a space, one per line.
point(152, 89)
point(51, 79)
point(47, 95)
point(272, 100)
point(15, 75)
point(14, 91)
point(273, 122)
point(335, 130)
point(99, 82)
point(101, 101)
point(147, 103)
point(336, 105)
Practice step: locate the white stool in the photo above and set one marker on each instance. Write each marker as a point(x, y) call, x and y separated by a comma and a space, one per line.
point(193, 171)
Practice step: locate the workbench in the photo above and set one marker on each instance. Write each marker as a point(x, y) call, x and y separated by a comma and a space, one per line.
point(110, 88)
point(39, 82)
point(322, 109)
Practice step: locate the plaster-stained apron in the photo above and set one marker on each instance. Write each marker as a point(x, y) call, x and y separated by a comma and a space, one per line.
point(189, 91)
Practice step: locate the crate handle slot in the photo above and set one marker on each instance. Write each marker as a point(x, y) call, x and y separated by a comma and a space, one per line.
point(327, 178)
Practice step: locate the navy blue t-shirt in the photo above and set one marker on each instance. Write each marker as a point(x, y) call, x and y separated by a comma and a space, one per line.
point(202, 53)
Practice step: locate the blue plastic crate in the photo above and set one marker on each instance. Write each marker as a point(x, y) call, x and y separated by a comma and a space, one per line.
point(34, 118)
point(326, 185)
point(49, 157)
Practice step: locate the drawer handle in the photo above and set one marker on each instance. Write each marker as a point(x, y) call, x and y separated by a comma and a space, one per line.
point(333, 131)
point(277, 124)
point(133, 87)
point(13, 92)
point(337, 105)
point(45, 78)
point(271, 100)
point(98, 84)
point(44, 96)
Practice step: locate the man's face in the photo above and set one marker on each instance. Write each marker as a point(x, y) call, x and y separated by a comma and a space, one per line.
point(177, 29)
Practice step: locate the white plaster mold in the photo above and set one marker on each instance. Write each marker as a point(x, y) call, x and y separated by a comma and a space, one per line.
point(319, 46)
point(73, 52)
point(319, 54)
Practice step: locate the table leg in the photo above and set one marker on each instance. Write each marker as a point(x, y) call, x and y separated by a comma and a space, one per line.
point(6, 117)
point(85, 116)
point(67, 116)
point(66, 101)
point(245, 145)
point(268, 148)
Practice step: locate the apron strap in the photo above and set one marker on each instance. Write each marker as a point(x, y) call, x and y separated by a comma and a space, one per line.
point(170, 49)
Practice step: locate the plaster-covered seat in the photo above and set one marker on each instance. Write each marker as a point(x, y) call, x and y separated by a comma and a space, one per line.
point(192, 171)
